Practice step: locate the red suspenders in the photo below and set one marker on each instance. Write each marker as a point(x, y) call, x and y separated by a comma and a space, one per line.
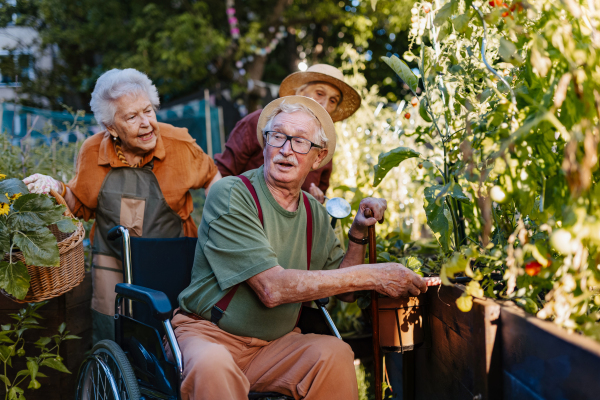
point(218, 309)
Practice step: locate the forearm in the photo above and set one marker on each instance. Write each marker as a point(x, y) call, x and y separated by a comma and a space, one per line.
point(284, 286)
point(70, 199)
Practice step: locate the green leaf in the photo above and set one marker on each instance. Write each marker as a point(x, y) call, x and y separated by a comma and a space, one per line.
point(33, 211)
point(56, 364)
point(22, 372)
point(444, 31)
point(14, 278)
point(16, 393)
point(42, 341)
point(34, 384)
point(68, 337)
point(39, 247)
point(11, 186)
point(438, 216)
point(423, 110)
point(4, 237)
point(4, 379)
point(5, 353)
point(32, 367)
point(62, 327)
point(6, 327)
point(391, 159)
point(403, 71)
point(461, 23)
point(444, 13)
point(66, 225)
point(508, 52)
point(458, 194)
point(464, 302)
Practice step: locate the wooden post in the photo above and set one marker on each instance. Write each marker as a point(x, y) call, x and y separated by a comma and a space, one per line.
point(374, 310)
point(209, 149)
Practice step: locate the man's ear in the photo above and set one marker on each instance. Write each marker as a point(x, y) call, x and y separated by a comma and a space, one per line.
point(320, 158)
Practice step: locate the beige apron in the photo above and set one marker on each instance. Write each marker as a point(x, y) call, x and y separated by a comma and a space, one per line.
point(130, 197)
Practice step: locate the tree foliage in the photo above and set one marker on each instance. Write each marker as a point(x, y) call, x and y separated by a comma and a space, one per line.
point(185, 44)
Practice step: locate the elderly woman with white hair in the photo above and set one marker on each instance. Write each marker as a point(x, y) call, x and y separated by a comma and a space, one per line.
point(136, 173)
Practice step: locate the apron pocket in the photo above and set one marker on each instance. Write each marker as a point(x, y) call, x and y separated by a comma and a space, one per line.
point(132, 215)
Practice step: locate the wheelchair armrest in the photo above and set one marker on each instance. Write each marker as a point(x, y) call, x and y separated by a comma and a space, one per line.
point(157, 301)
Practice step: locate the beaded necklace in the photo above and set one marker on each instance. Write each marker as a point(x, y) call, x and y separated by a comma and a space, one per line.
point(122, 158)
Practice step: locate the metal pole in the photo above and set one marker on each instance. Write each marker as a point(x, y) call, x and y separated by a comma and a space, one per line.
point(374, 310)
point(209, 149)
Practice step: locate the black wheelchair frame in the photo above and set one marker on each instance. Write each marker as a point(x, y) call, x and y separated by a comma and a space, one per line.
point(135, 366)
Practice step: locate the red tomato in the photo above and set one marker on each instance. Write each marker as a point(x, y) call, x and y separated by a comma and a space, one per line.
point(492, 3)
point(533, 268)
point(414, 101)
point(407, 115)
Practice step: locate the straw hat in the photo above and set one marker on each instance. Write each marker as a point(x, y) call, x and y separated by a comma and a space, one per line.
point(324, 73)
point(321, 114)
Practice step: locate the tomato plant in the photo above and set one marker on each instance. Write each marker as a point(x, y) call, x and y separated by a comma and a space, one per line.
point(510, 108)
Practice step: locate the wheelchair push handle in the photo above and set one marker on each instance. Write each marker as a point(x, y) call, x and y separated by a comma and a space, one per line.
point(116, 232)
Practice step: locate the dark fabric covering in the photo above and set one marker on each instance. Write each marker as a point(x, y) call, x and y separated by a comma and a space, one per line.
point(161, 264)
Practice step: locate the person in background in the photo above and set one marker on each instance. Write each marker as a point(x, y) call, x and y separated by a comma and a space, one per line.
point(321, 82)
point(137, 173)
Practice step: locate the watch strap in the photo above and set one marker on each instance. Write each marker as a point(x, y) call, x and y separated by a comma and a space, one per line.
point(356, 240)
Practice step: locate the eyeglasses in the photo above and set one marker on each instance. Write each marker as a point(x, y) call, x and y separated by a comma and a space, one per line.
point(299, 145)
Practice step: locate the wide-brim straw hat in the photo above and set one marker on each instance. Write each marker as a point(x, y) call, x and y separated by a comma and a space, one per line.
point(350, 101)
point(321, 114)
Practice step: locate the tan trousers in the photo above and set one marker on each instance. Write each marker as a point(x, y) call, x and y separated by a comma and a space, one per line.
point(218, 365)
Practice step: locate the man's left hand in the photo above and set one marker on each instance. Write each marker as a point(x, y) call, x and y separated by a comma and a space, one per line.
point(361, 223)
point(316, 193)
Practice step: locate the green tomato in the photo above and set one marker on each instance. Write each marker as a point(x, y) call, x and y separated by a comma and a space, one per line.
point(561, 241)
point(497, 194)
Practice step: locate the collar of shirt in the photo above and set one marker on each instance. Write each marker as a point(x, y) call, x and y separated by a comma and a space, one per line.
point(108, 156)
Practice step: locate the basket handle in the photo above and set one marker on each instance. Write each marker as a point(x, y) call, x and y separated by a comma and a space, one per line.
point(62, 201)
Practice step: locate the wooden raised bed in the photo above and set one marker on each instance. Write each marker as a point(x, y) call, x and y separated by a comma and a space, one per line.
point(496, 351)
point(73, 308)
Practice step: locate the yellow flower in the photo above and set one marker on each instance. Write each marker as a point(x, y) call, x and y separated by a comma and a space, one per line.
point(14, 196)
point(2, 176)
point(4, 208)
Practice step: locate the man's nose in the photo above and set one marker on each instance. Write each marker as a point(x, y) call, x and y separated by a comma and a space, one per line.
point(286, 149)
point(322, 101)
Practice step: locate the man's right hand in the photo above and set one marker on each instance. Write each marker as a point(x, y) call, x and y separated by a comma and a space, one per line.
point(395, 280)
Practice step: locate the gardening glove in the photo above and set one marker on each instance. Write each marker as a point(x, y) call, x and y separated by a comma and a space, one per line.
point(316, 193)
point(42, 184)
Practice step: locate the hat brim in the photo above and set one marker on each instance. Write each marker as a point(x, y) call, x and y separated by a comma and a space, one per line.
point(350, 97)
point(321, 114)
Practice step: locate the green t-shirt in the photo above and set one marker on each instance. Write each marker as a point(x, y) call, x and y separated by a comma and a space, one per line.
point(233, 247)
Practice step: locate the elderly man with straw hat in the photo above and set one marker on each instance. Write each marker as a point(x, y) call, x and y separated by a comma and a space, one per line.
point(321, 82)
point(264, 247)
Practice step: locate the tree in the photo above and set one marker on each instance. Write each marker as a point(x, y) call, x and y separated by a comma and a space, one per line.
point(185, 44)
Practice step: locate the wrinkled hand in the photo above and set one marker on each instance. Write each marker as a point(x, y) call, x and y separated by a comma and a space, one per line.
point(42, 184)
point(395, 280)
point(316, 193)
point(361, 223)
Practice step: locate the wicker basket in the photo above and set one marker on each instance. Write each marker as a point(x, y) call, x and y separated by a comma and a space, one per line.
point(50, 282)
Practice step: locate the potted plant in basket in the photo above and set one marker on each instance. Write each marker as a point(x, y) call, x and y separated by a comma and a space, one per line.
point(29, 227)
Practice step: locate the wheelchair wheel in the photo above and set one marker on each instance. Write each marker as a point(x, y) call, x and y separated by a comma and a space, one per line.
point(107, 375)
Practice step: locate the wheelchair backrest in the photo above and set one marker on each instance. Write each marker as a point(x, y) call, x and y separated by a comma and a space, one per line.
point(161, 264)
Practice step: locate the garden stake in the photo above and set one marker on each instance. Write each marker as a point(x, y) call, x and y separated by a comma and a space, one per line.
point(374, 309)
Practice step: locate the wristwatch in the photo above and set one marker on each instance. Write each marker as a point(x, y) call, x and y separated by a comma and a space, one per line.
point(356, 240)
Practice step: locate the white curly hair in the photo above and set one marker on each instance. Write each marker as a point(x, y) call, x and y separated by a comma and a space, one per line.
point(115, 84)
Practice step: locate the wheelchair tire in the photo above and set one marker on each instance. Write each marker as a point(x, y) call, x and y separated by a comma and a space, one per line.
point(107, 375)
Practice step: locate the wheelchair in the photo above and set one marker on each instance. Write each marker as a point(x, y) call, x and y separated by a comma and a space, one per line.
point(135, 366)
